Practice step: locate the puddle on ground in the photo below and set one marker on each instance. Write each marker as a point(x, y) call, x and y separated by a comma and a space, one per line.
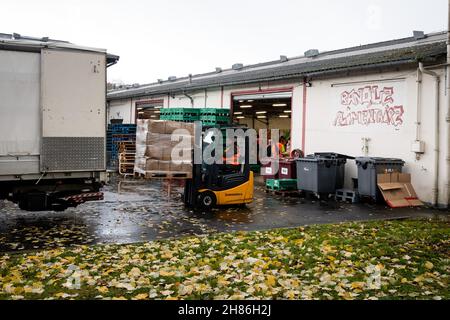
point(139, 210)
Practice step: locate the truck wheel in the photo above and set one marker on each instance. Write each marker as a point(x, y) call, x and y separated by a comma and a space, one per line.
point(207, 200)
point(33, 201)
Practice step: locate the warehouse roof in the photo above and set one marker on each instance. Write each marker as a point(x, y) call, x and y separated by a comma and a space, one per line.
point(18, 42)
point(392, 53)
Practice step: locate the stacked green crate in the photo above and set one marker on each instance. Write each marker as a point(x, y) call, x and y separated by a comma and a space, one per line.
point(214, 116)
point(270, 183)
point(285, 184)
point(281, 185)
point(180, 114)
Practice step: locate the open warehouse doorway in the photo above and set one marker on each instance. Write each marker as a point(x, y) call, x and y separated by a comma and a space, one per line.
point(270, 109)
point(149, 109)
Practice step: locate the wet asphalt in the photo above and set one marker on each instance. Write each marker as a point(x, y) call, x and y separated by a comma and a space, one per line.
point(145, 210)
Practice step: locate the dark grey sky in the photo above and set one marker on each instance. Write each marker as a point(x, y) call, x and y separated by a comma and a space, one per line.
point(160, 38)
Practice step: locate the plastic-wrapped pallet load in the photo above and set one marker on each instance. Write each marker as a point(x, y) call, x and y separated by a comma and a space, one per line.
point(163, 150)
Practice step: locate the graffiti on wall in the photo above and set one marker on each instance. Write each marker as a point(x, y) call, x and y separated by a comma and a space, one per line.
point(369, 105)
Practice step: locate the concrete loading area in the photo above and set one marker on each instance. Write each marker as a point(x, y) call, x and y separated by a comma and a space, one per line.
point(135, 211)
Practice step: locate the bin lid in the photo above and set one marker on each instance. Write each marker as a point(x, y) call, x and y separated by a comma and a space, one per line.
point(332, 155)
point(287, 160)
point(378, 160)
point(331, 161)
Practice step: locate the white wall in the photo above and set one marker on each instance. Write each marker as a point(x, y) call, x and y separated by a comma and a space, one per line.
point(323, 103)
point(121, 109)
point(386, 140)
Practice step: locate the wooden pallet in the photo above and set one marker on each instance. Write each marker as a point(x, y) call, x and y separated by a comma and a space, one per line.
point(131, 149)
point(126, 170)
point(164, 175)
point(126, 155)
point(127, 159)
point(126, 163)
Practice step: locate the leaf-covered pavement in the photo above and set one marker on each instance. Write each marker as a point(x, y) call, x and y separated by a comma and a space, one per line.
point(374, 260)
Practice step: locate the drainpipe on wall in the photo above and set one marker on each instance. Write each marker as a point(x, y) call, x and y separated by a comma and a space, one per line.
point(190, 98)
point(436, 134)
point(418, 109)
point(448, 107)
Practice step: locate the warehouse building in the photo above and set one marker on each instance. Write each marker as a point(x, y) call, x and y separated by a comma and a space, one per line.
point(385, 99)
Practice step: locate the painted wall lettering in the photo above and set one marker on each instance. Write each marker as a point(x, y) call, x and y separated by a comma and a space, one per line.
point(369, 105)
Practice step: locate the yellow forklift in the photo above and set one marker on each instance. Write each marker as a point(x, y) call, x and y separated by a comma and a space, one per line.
point(214, 185)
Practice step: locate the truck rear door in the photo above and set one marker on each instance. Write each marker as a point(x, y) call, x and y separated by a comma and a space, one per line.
point(73, 89)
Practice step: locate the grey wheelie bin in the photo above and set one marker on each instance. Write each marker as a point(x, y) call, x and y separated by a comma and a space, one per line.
point(320, 174)
point(369, 168)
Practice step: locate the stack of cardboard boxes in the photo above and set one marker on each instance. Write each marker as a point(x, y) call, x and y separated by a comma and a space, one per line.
point(164, 148)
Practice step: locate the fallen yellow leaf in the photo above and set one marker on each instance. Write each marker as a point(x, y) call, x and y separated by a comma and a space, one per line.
point(141, 296)
point(102, 289)
point(271, 280)
point(429, 265)
point(164, 273)
point(358, 285)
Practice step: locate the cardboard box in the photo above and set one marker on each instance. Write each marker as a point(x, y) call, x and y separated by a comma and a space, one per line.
point(182, 154)
point(154, 146)
point(140, 150)
point(166, 139)
point(164, 166)
point(167, 166)
point(152, 165)
point(397, 190)
point(181, 166)
point(167, 127)
point(157, 152)
point(190, 127)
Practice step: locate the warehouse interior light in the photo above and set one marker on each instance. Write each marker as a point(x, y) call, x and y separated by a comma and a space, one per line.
point(287, 111)
point(141, 112)
point(157, 111)
point(140, 108)
point(260, 108)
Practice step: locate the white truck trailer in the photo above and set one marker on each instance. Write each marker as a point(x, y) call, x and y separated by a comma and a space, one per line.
point(52, 121)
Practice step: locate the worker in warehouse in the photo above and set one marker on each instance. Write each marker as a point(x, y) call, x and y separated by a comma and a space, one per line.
point(280, 147)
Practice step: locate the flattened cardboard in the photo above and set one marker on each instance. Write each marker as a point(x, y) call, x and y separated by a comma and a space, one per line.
point(397, 190)
point(390, 186)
